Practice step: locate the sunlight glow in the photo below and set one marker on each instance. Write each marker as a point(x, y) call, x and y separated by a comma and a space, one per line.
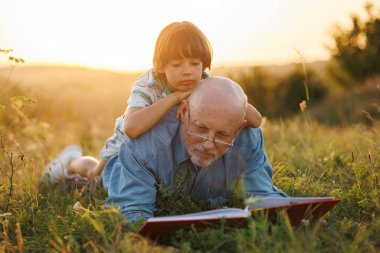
point(121, 34)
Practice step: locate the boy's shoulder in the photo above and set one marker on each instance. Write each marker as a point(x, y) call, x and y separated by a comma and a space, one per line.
point(146, 80)
point(150, 86)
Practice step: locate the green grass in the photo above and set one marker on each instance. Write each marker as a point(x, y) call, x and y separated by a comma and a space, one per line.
point(308, 160)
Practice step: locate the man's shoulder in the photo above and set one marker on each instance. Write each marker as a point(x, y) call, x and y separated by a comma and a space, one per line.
point(159, 137)
point(167, 127)
point(249, 137)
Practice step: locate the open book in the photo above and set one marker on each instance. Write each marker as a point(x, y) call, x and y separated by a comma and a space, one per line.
point(296, 208)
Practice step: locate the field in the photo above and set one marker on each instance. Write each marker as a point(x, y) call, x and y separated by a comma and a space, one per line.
point(44, 109)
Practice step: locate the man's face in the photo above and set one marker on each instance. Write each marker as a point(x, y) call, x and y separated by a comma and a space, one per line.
point(207, 136)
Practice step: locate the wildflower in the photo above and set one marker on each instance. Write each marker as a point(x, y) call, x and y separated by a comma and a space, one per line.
point(77, 206)
point(305, 222)
point(303, 106)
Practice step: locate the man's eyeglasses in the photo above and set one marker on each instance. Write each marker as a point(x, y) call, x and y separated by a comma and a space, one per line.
point(217, 142)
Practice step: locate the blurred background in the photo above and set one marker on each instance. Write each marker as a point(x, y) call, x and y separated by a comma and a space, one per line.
point(120, 35)
point(67, 66)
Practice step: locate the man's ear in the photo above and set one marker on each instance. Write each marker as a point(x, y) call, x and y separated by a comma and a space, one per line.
point(182, 110)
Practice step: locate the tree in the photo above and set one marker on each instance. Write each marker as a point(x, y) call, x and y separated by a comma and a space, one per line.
point(357, 50)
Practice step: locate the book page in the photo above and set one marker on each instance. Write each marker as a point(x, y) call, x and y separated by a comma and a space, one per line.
point(258, 203)
point(212, 214)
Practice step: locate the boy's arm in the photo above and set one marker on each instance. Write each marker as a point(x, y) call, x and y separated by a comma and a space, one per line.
point(138, 121)
point(253, 116)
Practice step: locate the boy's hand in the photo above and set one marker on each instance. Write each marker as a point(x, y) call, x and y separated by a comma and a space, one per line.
point(178, 114)
point(181, 95)
point(253, 116)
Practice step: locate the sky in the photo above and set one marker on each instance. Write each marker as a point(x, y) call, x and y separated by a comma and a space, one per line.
point(121, 34)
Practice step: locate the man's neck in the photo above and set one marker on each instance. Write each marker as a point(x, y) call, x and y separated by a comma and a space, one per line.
point(198, 168)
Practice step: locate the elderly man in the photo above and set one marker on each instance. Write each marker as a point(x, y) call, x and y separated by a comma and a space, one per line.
point(210, 147)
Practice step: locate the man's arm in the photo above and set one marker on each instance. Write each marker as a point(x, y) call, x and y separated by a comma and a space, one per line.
point(257, 176)
point(132, 185)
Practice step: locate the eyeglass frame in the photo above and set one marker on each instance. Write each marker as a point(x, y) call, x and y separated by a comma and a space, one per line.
point(206, 138)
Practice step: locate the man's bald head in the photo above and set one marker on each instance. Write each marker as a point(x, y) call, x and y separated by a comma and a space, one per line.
point(222, 95)
point(213, 117)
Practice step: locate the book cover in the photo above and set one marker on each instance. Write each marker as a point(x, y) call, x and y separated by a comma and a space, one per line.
point(298, 208)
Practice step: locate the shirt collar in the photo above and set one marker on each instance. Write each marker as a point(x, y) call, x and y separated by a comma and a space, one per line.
point(165, 91)
point(164, 87)
point(181, 154)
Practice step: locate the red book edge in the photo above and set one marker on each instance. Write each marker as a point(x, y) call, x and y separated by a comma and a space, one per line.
point(311, 210)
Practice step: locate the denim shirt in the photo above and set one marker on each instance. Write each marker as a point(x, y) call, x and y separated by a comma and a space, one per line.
point(132, 177)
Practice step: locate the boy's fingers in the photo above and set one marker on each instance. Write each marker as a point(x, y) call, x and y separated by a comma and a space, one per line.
point(187, 93)
point(178, 112)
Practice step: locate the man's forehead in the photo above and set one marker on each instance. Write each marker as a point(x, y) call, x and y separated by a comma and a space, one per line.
point(217, 96)
point(217, 120)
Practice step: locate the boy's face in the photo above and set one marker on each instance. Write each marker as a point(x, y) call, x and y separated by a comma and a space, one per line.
point(183, 74)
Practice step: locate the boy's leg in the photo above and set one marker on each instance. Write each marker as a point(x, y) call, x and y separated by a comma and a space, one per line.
point(57, 170)
point(96, 170)
point(83, 166)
